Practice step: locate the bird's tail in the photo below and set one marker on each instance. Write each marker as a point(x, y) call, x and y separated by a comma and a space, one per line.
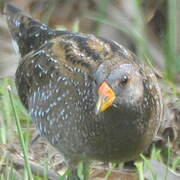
point(28, 33)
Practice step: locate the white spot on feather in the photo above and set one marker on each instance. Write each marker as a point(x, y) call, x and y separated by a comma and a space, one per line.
point(15, 46)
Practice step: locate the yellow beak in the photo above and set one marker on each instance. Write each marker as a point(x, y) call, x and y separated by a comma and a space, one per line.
point(106, 98)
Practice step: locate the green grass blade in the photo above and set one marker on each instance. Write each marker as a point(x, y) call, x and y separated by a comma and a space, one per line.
point(25, 153)
point(140, 168)
point(171, 40)
point(110, 171)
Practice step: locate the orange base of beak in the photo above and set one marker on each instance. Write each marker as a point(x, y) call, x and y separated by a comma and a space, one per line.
point(106, 97)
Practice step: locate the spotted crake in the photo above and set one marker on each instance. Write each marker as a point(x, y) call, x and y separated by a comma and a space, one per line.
point(88, 96)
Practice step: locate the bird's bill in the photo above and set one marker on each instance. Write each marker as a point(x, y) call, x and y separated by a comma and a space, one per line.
point(106, 97)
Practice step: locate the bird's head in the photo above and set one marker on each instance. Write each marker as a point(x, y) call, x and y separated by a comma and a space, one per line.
point(119, 85)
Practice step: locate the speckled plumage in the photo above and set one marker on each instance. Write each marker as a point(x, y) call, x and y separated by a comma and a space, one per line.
point(57, 80)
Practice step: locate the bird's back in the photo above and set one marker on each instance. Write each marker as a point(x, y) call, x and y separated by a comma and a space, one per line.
point(45, 52)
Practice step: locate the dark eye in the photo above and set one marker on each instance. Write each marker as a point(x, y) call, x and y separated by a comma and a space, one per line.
point(124, 79)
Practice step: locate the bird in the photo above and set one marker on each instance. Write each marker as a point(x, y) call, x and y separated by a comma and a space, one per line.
point(90, 97)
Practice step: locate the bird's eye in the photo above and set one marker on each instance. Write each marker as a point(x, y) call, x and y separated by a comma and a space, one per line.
point(124, 80)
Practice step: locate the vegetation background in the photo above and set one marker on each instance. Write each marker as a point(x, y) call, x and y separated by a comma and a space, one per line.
point(149, 28)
